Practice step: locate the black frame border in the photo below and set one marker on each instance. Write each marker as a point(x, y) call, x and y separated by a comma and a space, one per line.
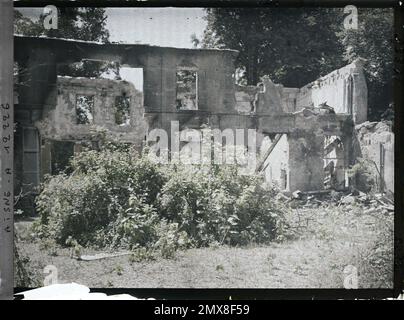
point(278, 294)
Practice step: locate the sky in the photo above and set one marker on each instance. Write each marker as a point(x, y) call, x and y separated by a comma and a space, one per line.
point(167, 27)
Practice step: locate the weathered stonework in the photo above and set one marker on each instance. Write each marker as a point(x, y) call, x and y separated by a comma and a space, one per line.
point(301, 117)
point(344, 90)
point(375, 143)
point(59, 121)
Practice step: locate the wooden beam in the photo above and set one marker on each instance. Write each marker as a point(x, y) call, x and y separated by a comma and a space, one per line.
point(261, 165)
point(6, 149)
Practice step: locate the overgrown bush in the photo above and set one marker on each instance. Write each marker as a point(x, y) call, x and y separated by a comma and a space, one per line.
point(376, 267)
point(363, 175)
point(117, 198)
point(24, 274)
point(86, 205)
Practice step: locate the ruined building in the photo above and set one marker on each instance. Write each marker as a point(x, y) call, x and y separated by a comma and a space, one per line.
point(306, 135)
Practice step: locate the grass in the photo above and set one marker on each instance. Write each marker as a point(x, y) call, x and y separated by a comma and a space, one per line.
point(322, 242)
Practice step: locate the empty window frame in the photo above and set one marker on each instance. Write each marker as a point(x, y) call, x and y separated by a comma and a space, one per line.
point(187, 89)
point(84, 109)
point(122, 110)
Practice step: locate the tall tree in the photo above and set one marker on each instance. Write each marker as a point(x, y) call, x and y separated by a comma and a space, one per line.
point(297, 45)
point(88, 24)
point(291, 45)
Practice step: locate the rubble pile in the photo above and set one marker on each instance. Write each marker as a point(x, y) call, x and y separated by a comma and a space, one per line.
point(370, 203)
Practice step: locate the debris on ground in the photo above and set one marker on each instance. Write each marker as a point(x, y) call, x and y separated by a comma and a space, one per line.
point(100, 256)
point(371, 202)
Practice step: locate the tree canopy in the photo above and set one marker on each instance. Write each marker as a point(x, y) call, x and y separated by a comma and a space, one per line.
point(88, 24)
point(294, 46)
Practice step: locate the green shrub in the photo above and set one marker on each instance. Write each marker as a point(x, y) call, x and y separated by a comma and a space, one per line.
point(117, 198)
point(219, 204)
point(85, 204)
point(364, 175)
point(135, 226)
point(24, 272)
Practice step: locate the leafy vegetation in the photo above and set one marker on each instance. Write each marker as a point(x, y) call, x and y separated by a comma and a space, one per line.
point(24, 274)
point(88, 24)
point(363, 175)
point(295, 46)
point(115, 198)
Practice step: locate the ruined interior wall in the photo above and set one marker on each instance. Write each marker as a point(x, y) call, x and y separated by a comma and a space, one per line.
point(344, 89)
point(306, 164)
point(245, 96)
point(336, 91)
point(270, 99)
point(215, 84)
point(59, 122)
point(289, 99)
point(372, 136)
point(334, 163)
point(217, 98)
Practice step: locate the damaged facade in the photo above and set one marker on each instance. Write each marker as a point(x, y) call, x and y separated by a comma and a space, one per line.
point(305, 135)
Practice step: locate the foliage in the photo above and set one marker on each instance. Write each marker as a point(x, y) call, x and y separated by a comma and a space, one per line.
point(88, 24)
point(358, 234)
point(295, 46)
point(24, 275)
point(119, 199)
point(24, 25)
point(363, 175)
point(102, 188)
point(376, 267)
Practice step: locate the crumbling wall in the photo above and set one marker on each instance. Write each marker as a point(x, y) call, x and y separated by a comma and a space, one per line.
point(334, 163)
point(59, 122)
point(295, 161)
point(215, 84)
point(289, 97)
point(269, 99)
point(265, 98)
point(245, 97)
point(214, 67)
point(344, 90)
point(220, 103)
point(306, 165)
point(375, 143)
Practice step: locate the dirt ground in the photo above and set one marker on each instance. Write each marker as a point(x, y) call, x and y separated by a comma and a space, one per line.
point(333, 239)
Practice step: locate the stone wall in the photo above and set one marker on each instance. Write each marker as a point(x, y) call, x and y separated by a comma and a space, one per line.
point(59, 122)
point(266, 98)
point(214, 67)
point(48, 103)
point(344, 89)
point(375, 142)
